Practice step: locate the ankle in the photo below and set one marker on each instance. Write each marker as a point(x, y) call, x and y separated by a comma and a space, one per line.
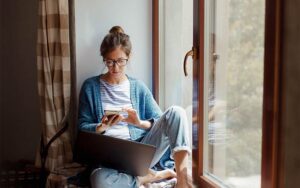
point(184, 180)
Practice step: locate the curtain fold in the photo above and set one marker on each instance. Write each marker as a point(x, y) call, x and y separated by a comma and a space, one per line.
point(54, 78)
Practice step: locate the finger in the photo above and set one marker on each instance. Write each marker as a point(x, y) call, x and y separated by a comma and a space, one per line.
point(117, 119)
point(128, 109)
point(131, 110)
point(111, 118)
point(122, 117)
point(131, 113)
point(126, 120)
point(125, 108)
point(105, 126)
point(105, 121)
point(104, 118)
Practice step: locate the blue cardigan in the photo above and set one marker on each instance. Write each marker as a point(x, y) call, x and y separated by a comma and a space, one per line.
point(91, 110)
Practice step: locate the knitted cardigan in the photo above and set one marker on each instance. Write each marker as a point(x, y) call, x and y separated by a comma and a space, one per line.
point(91, 110)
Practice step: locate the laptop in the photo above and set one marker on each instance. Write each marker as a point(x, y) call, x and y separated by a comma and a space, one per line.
point(123, 155)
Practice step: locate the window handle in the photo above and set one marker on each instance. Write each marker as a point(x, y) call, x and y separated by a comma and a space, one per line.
point(192, 53)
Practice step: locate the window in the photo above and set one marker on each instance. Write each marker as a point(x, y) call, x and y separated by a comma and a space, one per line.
point(235, 83)
point(175, 39)
point(233, 91)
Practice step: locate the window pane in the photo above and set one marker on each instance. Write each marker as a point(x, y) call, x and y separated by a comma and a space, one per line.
point(175, 39)
point(234, 58)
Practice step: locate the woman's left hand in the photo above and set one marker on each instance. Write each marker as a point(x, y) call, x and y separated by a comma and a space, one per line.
point(133, 117)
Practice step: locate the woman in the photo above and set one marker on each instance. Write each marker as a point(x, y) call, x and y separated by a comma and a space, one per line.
point(144, 121)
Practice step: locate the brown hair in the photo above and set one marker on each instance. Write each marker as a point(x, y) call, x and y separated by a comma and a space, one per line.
point(114, 39)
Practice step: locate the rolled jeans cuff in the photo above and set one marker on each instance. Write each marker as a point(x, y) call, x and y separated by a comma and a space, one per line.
point(181, 148)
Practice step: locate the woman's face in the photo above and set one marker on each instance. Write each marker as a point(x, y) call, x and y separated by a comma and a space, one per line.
point(116, 63)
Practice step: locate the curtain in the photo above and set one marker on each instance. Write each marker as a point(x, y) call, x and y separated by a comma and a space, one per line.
point(54, 78)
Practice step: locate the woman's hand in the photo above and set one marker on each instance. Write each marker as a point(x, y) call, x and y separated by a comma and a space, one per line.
point(108, 121)
point(134, 119)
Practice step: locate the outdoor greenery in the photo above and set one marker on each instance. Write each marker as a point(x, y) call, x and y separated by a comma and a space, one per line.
point(245, 87)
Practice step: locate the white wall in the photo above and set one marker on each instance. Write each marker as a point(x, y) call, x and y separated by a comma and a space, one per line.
point(94, 18)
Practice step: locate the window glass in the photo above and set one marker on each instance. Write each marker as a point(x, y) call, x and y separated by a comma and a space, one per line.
point(234, 58)
point(175, 39)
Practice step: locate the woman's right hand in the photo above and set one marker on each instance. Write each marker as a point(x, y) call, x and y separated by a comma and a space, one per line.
point(108, 121)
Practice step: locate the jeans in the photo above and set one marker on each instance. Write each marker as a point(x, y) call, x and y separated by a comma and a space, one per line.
point(169, 131)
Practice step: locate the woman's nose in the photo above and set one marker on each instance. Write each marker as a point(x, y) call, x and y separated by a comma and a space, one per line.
point(115, 66)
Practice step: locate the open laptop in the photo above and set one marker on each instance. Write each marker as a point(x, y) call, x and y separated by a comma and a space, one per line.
point(123, 155)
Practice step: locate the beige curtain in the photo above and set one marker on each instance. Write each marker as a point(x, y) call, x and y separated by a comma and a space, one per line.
point(54, 78)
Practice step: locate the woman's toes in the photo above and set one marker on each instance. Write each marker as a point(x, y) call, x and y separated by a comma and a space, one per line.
point(164, 174)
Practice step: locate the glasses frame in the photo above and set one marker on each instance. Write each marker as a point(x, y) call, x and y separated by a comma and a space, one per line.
point(117, 62)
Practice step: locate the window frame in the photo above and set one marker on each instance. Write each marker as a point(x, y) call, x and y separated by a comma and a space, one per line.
point(155, 49)
point(271, 163)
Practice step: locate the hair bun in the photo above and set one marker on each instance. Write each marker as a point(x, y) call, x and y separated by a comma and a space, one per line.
point(116, 29)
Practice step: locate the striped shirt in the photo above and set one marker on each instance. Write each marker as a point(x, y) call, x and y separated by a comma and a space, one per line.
point(116, 96)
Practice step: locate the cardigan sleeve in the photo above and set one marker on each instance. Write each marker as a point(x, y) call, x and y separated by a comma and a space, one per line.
point(152, 112)
point(86, 118)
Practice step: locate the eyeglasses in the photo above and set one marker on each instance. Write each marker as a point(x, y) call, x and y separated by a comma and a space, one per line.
point(119, 62)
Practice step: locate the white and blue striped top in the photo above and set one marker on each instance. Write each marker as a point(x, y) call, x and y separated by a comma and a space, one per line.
point(116, 96)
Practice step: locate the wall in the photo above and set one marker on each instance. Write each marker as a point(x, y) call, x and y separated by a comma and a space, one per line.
point(94, 18)
point(19, 120)
point(20, 129)
point(291, 93)
point(19, 115)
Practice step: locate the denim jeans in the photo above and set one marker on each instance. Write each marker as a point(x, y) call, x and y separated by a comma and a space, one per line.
point(169, 131)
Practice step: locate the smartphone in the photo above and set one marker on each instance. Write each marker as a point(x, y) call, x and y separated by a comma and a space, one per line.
point(115, 111)
point(112, 112)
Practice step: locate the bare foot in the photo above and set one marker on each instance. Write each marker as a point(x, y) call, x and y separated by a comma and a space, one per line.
point(184, 182)
point(153, 176)
point(164, 174)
